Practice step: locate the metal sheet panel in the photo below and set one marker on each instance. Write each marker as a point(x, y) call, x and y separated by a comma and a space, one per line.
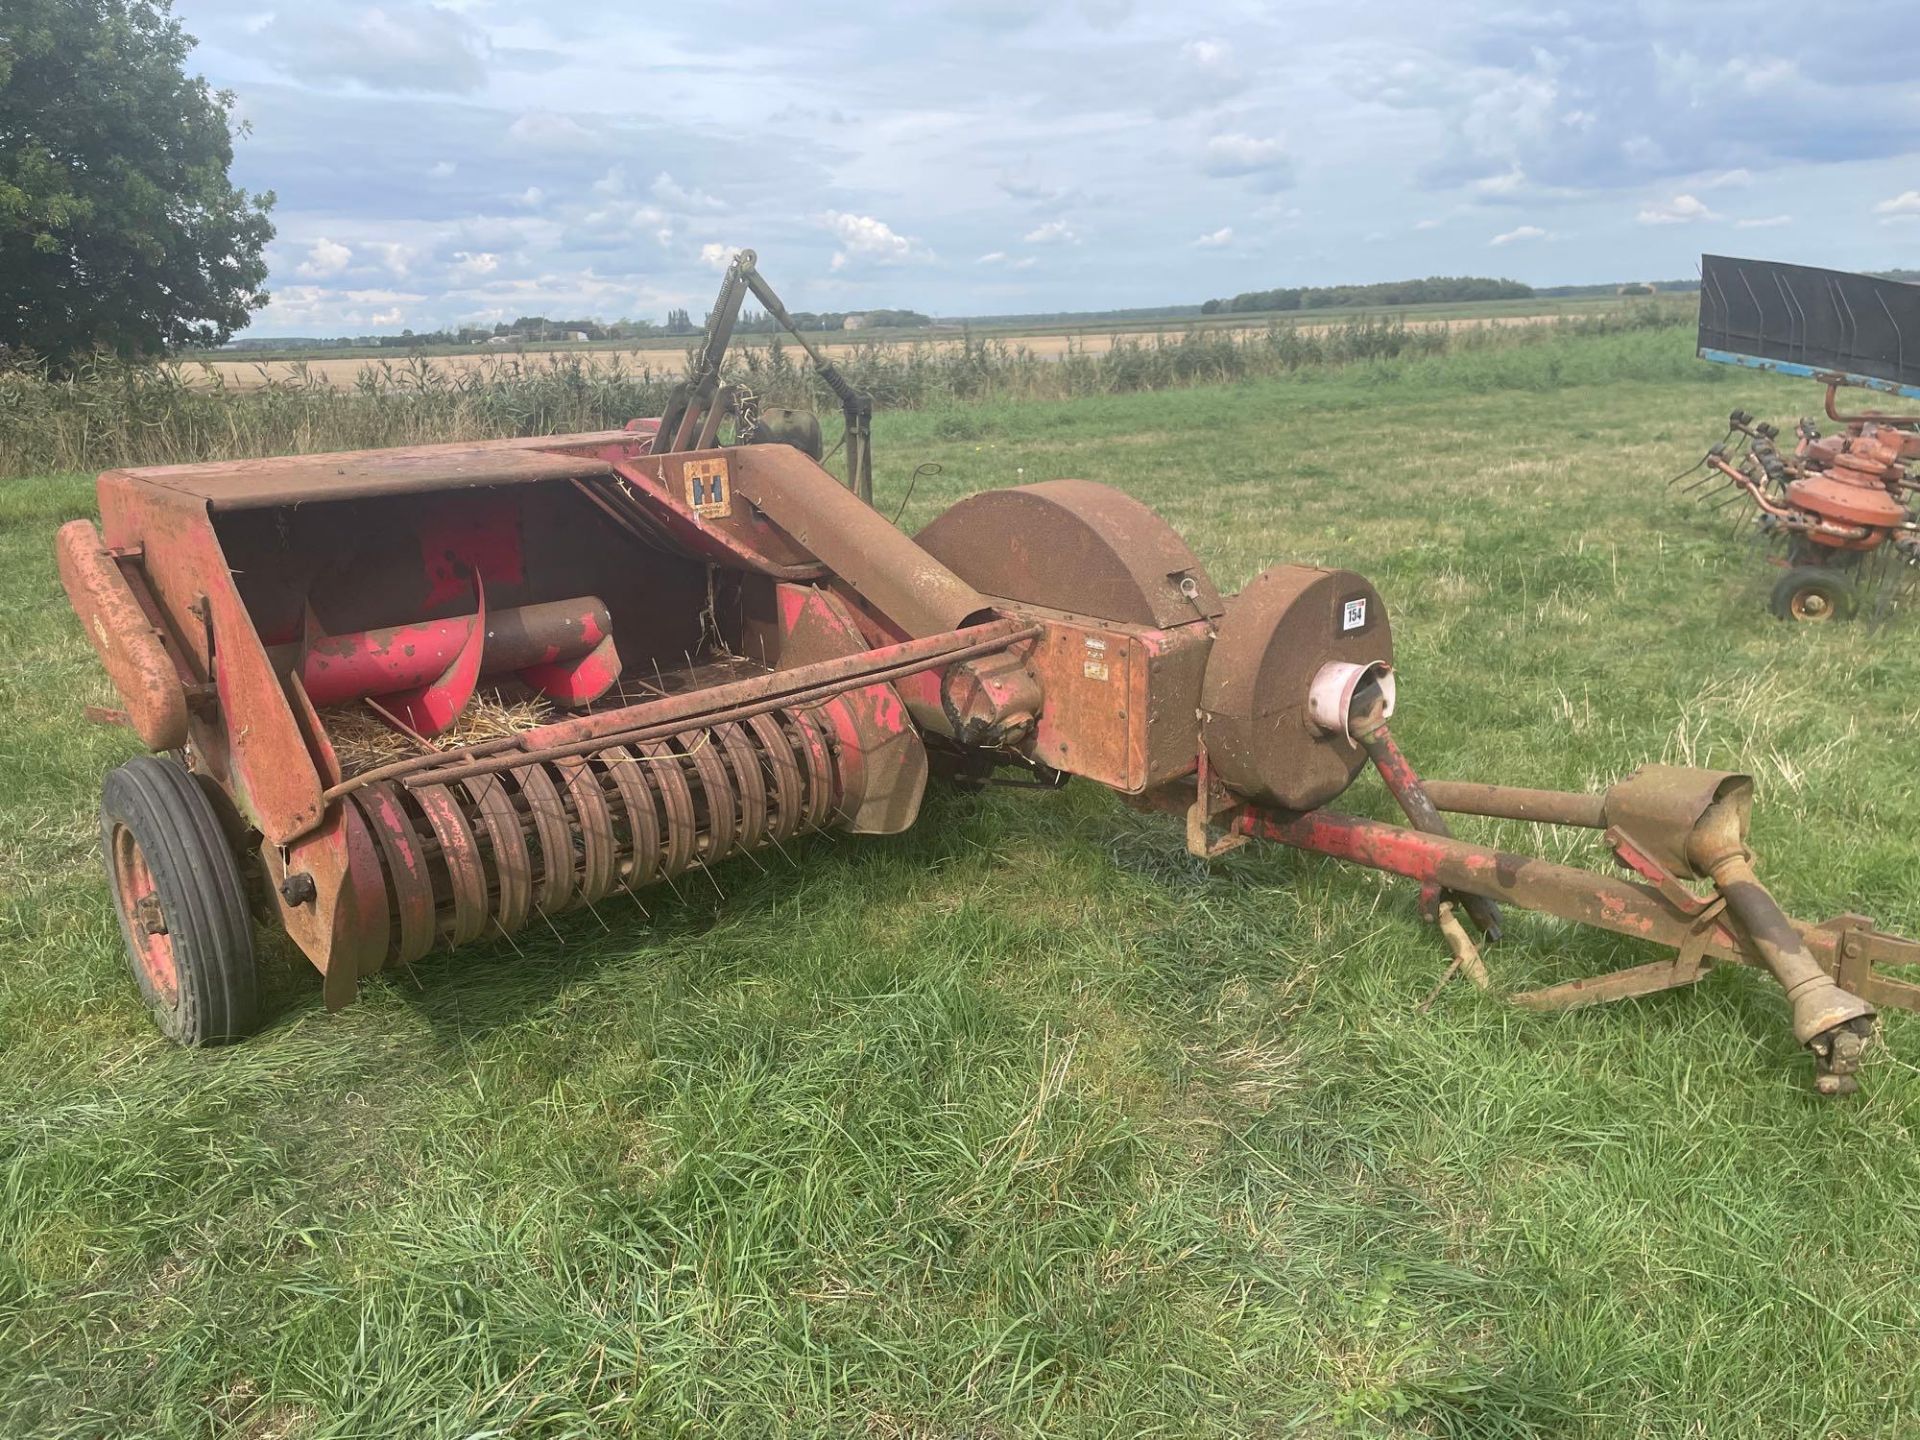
point(1803, 320)
point(297, 479)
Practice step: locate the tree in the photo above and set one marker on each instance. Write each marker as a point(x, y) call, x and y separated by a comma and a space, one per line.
point(679, 322)
point(119, 229)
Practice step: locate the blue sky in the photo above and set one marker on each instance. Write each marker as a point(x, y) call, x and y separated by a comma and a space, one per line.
point(474, 160)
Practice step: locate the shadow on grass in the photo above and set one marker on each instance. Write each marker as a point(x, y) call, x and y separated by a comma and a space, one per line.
point(492, 984)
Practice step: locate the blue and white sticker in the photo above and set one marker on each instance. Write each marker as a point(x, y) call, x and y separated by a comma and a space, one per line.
point(1354, 615)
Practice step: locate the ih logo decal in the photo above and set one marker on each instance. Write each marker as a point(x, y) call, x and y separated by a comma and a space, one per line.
point(708, 494)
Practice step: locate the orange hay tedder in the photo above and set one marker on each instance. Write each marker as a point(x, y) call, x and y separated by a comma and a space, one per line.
point(1840, 505)
point(725, 647)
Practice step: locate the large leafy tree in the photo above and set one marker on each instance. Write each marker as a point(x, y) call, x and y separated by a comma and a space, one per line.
point(119, 229)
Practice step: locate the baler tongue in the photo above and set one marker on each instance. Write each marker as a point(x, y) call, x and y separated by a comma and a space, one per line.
point(1667, 825)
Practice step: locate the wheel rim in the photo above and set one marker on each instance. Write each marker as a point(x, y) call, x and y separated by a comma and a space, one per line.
point(146, 921)
point(1811, 605)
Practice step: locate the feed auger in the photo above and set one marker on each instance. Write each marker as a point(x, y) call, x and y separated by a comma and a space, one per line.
point(715, 647)
point(1837, 508)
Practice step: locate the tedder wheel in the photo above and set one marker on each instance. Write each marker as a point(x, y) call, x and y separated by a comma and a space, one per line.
point(1814, 592)
point(183, 909)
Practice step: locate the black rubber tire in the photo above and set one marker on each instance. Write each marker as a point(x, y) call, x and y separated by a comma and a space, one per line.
point(1809, 586)
point(155, 806)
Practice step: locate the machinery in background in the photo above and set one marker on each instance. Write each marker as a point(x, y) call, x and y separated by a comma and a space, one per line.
point(1838, 508)
point(725, 648)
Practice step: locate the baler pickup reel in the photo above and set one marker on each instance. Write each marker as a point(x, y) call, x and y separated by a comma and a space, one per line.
point(717, 648)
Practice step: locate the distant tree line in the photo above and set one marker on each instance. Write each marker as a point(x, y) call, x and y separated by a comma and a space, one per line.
point(1631, 287)
point(756, 322)
point(541, 329)
point(1081, 317)
point(1435, 289)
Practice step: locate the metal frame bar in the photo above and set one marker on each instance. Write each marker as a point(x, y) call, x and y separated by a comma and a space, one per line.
point(1846, 947)
point(1809, 372)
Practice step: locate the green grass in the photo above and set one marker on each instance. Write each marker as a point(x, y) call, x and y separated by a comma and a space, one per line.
point(1023, 1123)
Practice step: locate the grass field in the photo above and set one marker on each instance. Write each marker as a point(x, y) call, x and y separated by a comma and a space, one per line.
point(1024, 1124)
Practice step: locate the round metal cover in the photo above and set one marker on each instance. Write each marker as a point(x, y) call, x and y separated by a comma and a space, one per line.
point(1277, 634)
point(1077, 546)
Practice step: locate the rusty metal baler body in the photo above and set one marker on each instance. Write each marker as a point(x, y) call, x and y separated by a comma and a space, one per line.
point(734, 648)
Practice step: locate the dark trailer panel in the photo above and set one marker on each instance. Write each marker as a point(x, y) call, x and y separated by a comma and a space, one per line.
point(1802, 320)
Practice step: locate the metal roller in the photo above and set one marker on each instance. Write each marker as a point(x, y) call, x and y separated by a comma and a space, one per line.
point(640, 815)
point(553, 883)
point(459, 860)
point(512, 875)
point(719, 807)
point(486, 852)
point(777, 751)
point(663, 771)
point(749, 785)
point(404, 864)
point(593, 827)
point(816, 752)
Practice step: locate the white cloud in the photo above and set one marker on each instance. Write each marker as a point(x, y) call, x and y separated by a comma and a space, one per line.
point(399, 45)
point(471, 265)
point(1216, 238)
point(395, 258)
point(532, 197)
point(717, 255)
point(1508, 182)
point(1901, 206)
point(862, 237)
point(1053, 232)
point(324, 257)
point(545, 130)
point(1241, 154)
point(308, 306)
point(1558, 116)
point(1681, 210)
point(1519, 233)
point(1507, 111)
point(1205, 76)
point(675, 196)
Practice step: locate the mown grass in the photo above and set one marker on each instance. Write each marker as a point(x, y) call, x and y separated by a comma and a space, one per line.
point(1024, 1123)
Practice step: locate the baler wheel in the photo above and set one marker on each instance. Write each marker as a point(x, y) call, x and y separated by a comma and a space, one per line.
point(182, 905)
point(1814, 593)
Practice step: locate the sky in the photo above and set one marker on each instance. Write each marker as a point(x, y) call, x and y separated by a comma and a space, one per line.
point(472, 160)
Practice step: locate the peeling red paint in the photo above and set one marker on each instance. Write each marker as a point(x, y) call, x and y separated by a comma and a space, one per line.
point(468, 538)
